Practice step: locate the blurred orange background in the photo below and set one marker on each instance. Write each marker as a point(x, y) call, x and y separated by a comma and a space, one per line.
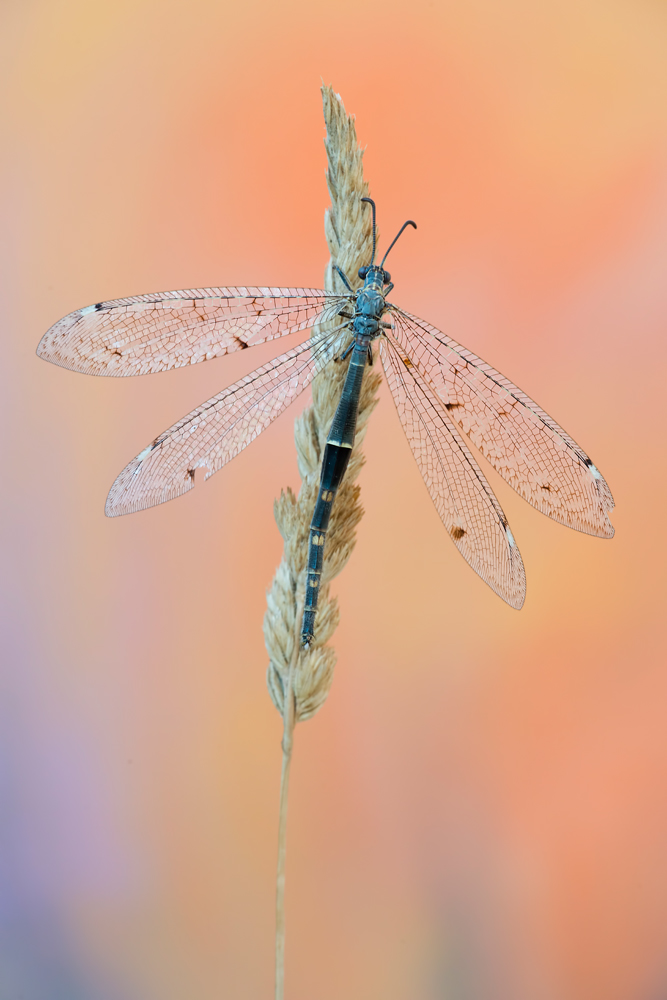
point(479, 810)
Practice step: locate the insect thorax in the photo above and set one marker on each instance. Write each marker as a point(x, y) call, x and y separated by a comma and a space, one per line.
point(370, 304)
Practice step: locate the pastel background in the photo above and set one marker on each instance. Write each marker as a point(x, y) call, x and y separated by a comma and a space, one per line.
point(479, 812)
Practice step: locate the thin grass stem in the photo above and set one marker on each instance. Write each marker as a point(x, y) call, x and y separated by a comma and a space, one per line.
point(289, 720)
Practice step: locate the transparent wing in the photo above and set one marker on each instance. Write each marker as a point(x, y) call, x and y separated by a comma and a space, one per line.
point(219, 429)
point(463, 498)
point(153, 333)
point(523, 444)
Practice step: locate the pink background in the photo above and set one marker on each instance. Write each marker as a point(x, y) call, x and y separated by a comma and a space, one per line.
point(479, 811)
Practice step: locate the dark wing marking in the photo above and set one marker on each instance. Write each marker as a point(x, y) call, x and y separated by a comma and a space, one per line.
point(215, 432)
point(524, 445)
point(153, 333)
point(464, 500)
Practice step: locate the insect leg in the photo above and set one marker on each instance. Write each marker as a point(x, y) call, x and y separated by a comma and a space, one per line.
point(346, 352)
point(343, 277)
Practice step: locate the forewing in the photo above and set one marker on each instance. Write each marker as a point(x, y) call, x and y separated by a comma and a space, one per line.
point(464, 500)
point(218, 430)
point(154, 333)
point(524, 445)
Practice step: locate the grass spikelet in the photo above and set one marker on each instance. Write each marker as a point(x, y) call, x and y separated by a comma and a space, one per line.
point(299, 680)
point(348, 230)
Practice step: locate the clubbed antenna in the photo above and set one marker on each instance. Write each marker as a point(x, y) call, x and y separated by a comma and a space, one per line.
point(372, 204)
point(408, 223)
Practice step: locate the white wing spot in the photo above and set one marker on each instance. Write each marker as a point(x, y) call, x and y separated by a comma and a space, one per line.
point(510, 537)
point(594, 472)
point(87, 310)
point(144, 454)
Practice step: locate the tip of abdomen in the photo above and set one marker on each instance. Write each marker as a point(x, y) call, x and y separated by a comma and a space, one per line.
point(307, 628)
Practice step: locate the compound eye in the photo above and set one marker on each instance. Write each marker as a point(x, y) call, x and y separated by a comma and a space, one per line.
point(363, 271)
point(387, 277)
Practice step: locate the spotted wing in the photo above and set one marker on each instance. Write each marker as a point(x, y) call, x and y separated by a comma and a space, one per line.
point(218, 430)
point(154, 333)
point(523, 444)
point(463, 498)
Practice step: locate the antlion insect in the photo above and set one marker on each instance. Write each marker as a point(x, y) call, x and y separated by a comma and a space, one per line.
point(444, 395)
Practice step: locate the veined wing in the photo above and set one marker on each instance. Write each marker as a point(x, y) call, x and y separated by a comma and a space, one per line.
point(522, 442)
point(215, 432)
point(154, 333)
point(462, 496)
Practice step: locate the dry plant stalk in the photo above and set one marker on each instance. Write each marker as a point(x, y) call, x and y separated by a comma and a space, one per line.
point(299, 679)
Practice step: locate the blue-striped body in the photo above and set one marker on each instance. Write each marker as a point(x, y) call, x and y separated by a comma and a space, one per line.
point(370, 305)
